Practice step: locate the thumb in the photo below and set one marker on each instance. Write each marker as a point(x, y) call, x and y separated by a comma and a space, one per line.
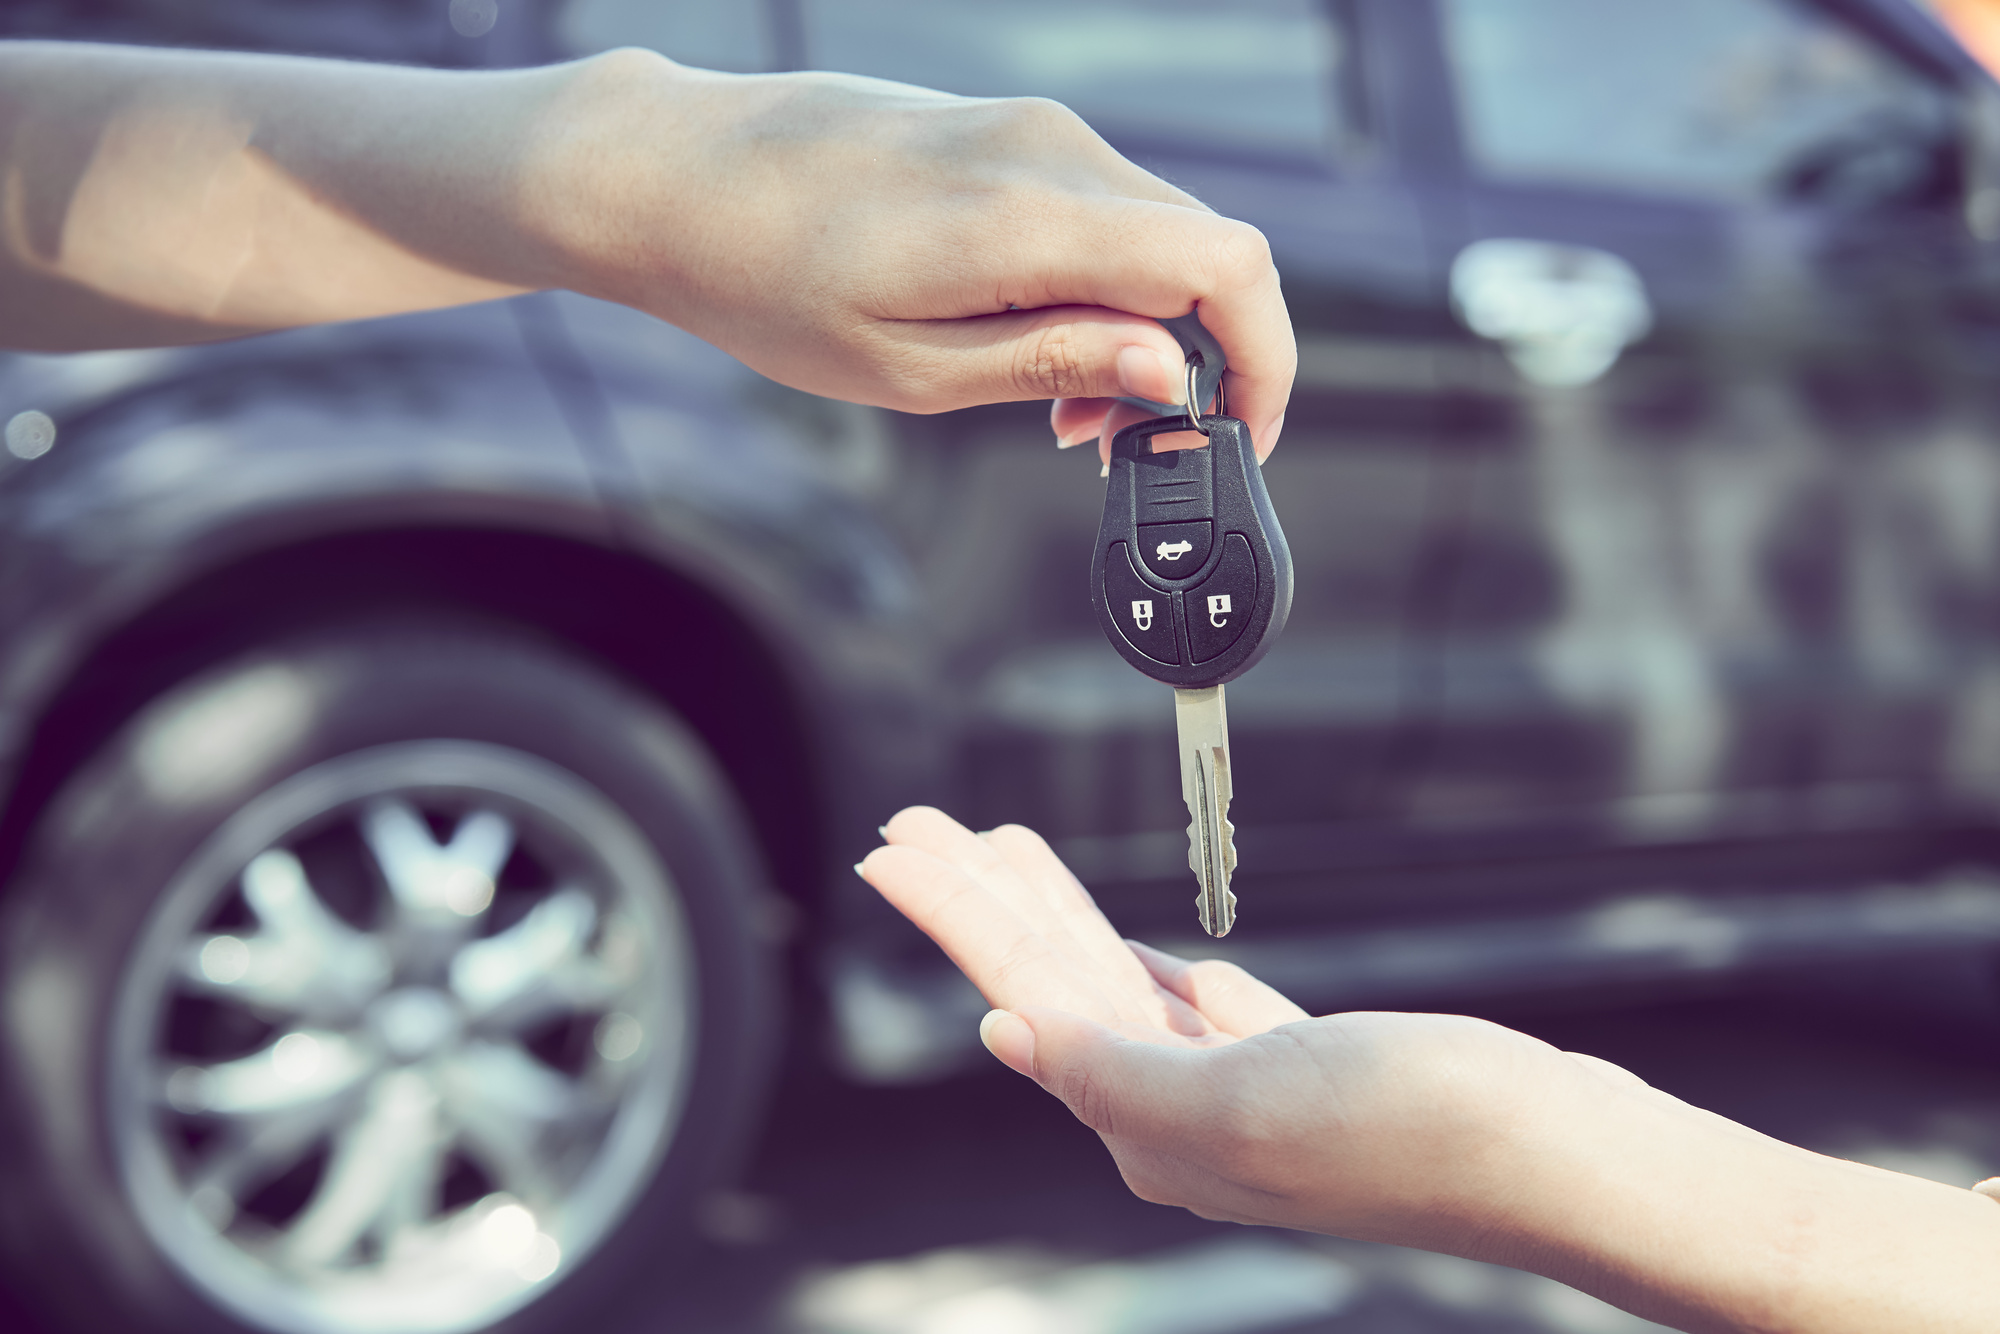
point(1053, 352)
point(1116, 1085)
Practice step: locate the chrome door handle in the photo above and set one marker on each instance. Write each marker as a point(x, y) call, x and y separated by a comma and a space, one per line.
point(1561, 313)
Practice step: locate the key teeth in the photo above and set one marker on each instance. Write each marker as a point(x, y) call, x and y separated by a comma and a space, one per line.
point(1206, 786)
point(1225, 897)
point(1226, 901)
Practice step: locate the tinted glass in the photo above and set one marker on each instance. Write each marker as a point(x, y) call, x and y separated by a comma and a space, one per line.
point(1725, 98)
point(1256, 74)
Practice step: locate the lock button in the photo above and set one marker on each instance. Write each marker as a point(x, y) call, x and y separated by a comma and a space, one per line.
point(1142, 613)
point(1220, 606)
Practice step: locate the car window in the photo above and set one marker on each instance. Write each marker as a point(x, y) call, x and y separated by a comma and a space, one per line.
point(1733, 99)
point(1250, 74)
point(731, 36)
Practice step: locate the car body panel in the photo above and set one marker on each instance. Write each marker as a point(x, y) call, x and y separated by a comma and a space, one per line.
point(174, 467)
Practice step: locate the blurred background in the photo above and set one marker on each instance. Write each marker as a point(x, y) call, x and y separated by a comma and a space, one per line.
point(434, 748)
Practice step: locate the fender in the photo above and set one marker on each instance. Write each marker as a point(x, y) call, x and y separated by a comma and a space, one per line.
point(170, 466)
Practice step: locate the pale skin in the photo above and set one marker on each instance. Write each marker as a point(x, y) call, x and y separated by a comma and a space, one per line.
point(850, 237)
point(888, 245)
point(1215, 1093)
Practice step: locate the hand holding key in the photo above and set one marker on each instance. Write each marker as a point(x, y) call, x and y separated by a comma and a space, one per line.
point(852, 237)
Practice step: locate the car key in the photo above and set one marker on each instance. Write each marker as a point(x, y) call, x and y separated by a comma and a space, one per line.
point(1192, 582)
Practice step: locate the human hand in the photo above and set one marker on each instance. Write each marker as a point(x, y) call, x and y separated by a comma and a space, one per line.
point(1213, 1091)
point(887, 244)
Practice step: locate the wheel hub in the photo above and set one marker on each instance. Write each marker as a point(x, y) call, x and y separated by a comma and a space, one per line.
point(414, 1022)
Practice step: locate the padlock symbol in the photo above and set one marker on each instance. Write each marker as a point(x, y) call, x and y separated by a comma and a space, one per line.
point(1142, 613)
point(1218, 607)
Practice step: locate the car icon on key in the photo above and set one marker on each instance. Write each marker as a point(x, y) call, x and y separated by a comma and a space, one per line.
point(1173, 550)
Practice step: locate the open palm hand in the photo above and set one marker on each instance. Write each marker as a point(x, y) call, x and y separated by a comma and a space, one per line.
point(1028, 934)
point(1215, 1092)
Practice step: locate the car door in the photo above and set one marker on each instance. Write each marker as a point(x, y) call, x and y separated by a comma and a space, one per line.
point(1721, 553)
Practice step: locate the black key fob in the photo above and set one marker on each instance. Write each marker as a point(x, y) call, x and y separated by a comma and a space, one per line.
point(1191, 578)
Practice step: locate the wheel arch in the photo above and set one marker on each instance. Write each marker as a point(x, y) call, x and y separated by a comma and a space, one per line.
point(745, 695)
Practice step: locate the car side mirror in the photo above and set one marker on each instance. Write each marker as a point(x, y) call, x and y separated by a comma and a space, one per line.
point(1561, 313)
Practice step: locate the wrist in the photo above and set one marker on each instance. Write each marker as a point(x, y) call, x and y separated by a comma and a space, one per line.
point(1652, 1206)
point(611, 171)
point(1697, 1222)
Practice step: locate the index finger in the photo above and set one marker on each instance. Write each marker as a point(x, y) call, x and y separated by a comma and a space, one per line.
point(1156, 259)
point(1234, 287)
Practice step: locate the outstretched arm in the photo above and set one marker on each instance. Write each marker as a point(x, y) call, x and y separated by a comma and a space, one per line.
point(1215, 1093)
point(851, 237)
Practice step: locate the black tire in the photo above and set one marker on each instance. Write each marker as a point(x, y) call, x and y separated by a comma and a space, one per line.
point(117, 864)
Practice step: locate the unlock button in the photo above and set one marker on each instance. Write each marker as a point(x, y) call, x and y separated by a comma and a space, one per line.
point(1219, 607)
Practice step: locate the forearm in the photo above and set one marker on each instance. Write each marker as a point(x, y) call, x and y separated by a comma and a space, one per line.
point(1696, 1222)
point(849, 237)
point(154, 196)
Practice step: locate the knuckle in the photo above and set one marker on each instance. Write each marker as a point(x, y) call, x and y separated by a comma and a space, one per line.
point(1037, 115)
point(1052, 363)
point(1242, 252)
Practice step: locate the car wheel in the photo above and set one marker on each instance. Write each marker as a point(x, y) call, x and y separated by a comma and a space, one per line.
point(392, 978)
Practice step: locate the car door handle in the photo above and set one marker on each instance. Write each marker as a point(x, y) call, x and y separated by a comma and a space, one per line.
point(1561, 313)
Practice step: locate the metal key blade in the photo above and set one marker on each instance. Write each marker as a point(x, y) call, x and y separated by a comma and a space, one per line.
point(1203, 722)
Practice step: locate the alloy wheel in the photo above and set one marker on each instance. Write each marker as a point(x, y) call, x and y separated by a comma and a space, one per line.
point(403, 1042)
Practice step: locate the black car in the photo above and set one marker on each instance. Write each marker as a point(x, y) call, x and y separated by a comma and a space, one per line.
point(435, 747)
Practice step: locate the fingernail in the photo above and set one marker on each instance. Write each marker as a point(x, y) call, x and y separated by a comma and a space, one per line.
point(1077, 436)
point(883, 830)
point(1104, 471)
point(1011, 1041)
point(1271, 439)
point(858, 871)
point(1144, 373)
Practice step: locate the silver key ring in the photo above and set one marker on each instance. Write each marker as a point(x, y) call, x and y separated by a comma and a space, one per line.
point(1193, 408)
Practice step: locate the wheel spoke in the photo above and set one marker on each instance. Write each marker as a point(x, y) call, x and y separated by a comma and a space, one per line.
point(298, 1069)
point(390, 1154)
point(303, 959)
point(508, 1083)
point(260, 1149)
point(432, 882)
point(507, 1104)
point(542, 959)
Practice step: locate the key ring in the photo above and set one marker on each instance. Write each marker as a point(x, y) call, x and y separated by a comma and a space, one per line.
point(1193, 408)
